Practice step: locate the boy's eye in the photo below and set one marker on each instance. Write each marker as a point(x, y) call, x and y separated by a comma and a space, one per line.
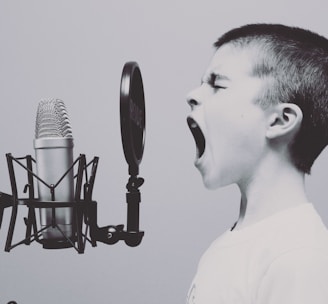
point(217, 87)
point(215, 82)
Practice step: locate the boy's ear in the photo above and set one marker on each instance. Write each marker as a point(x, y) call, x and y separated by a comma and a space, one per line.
point(284, 119)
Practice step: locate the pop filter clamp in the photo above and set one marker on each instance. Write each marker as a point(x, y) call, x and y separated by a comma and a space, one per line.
point(132, 117)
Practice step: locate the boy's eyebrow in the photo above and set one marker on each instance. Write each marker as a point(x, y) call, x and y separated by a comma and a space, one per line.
point(212, 77)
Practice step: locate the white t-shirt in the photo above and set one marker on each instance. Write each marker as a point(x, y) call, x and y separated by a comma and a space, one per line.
point(282, 259)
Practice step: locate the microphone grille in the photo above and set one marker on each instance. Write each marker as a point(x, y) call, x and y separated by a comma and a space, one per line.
point(52, 120)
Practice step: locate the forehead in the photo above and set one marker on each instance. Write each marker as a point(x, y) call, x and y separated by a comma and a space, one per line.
point(233, 61)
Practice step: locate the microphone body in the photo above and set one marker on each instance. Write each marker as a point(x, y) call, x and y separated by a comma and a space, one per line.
point(53, 146)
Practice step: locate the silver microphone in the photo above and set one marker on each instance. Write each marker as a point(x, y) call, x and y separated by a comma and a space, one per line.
point(53, 146)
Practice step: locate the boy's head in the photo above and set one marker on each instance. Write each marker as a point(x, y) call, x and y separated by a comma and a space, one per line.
point(294, 62)
point(256, 71)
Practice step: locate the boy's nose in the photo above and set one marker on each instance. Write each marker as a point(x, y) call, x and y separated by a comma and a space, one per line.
point(192, 102)
point(192, 99)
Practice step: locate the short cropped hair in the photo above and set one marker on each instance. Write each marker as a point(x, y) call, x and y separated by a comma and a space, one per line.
point(295, 63)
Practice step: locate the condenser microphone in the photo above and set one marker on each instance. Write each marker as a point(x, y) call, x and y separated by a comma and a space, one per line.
point(53, 146)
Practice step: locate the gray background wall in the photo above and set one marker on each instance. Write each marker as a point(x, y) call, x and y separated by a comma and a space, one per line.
point(75, 50)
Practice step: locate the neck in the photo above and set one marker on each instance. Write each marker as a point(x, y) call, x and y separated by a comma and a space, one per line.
point(273, 190)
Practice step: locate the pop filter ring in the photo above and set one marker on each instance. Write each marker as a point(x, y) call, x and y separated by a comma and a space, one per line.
point(132, 114)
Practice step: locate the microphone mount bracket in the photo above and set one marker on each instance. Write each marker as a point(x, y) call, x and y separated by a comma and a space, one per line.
point(84, 210)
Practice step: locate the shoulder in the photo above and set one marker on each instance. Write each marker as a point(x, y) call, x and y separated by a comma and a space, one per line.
point(300, 260)
point(300, 227)
point(297, 276)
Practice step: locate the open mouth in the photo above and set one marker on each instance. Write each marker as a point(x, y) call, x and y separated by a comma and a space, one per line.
point(198, 136)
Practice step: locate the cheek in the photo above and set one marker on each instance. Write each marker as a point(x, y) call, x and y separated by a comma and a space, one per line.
point(251, 130)
point(228, 120)
point(236, 130)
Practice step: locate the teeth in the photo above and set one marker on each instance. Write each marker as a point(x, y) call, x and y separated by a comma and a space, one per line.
point(198, 136)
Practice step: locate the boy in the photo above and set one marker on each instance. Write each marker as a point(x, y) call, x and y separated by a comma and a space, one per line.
point(260, 119)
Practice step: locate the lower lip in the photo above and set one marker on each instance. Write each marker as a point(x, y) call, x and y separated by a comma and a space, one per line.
point(198, 161)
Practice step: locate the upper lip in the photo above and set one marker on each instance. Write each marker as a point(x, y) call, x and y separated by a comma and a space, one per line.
point(198, 135)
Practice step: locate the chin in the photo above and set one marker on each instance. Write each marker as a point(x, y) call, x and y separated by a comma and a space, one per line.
point(211, 184)
point(215, 182)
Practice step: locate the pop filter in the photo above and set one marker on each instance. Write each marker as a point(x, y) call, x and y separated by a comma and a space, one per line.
point(132, 113)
